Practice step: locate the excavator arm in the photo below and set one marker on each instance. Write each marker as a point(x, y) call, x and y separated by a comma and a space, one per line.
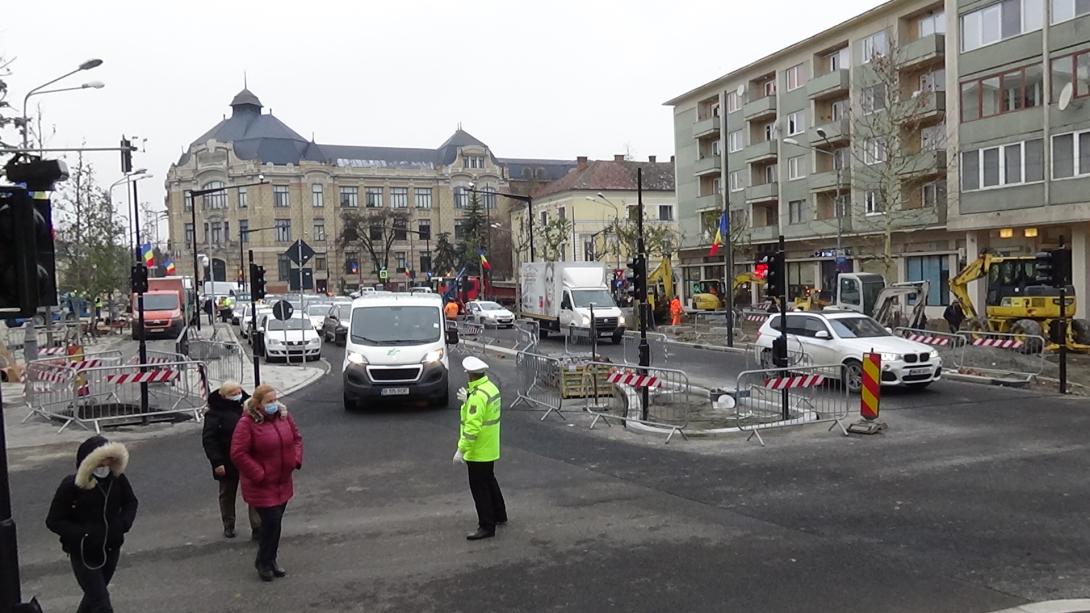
point(959, 285)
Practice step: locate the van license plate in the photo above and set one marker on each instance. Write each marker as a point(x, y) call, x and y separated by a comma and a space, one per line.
point(395, 391)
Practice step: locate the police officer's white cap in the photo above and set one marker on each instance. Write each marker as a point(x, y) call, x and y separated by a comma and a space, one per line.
point(474, 365)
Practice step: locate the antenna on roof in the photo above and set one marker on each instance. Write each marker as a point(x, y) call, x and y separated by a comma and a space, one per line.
point(245, 85)
point(459, 125)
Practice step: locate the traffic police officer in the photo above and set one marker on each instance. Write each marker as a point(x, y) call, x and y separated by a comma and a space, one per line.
point(479, 446)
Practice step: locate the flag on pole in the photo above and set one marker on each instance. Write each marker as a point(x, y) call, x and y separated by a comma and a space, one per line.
point(170, 269)
point(484, 261)
point(149, 254)
point(721, 234)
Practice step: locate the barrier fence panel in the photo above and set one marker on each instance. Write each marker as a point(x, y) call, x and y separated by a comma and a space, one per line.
point(51, 381)
point(1018, 357)
point(539, 383)
point(223, 360)
point(528, 332)
point(671, 400)
point(948, 346)
point(791, 396)
point(473, 332)
point(761, 358)
point(658, 342)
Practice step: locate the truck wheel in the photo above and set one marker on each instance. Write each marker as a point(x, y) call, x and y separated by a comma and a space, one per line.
point(1029, 327)
point(542, 332)
point(1080, 328)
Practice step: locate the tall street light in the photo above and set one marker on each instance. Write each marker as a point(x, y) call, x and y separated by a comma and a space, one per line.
point(88, 65)
point(601, 199)
point(529, 200)
point(836, 199)
point(136, 175)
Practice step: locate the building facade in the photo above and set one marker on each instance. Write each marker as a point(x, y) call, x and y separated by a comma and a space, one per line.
point(281, 187)
point(888, 139)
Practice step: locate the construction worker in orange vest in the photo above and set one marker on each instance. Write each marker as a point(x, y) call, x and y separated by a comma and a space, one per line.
point(451, 310)
point(675, 311)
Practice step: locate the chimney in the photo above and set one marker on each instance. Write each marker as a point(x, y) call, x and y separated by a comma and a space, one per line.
point(651, 159)
point(671, 159)
point(581, 162)
point(618, 157)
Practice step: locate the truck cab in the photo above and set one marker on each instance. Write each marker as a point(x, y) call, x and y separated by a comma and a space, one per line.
point(858, 291)
point(575, 309)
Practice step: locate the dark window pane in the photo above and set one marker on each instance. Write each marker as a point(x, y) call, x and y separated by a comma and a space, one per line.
point(1063, 156)
point(989, 96)
point(1012, 163)
point(991, 167)
point(970, 101)
point(1012, 91)
point(970, 170)
point(1035, 160)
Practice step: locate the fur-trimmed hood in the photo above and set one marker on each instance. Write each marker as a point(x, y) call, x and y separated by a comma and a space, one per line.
point(256, 414)
point(93, 452)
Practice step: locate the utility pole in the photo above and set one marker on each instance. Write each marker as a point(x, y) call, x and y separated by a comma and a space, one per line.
point(253, 315)
point(641, 296)
point(126, 163)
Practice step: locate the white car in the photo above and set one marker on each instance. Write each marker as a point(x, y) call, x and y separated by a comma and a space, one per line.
point(240, 310)
point(843, 337)
point(292, 337)
point(316, 312)
point(244, 324)
point(489, 313)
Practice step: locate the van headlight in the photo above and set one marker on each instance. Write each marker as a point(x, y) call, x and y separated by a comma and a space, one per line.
point(585, 320)
point(433, 356)
point(356, 358)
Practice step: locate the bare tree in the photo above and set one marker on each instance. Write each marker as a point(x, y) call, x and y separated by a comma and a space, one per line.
point(374, 231)
point(554, 236)
point(661, 239)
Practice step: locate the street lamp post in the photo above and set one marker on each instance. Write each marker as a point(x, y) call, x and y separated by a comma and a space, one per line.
point(601, 199)
point(836, 198)
point(88, 65)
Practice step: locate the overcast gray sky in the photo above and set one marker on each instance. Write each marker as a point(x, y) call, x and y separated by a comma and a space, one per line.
point(552, 79)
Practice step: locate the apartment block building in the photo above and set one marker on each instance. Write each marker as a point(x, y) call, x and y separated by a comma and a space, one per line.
point(309, 186)
point(906, 140)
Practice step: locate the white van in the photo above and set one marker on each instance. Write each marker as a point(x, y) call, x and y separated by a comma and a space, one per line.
point(396, 349)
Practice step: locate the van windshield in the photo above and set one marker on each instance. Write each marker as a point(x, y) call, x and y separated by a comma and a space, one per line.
point(396, 325)
point(584, 297)
point(160, 302)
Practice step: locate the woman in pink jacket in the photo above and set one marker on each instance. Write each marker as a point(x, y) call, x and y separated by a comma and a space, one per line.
point(267, 448)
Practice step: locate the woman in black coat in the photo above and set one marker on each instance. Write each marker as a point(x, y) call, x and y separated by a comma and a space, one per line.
point(91, 512)
point(224, 410)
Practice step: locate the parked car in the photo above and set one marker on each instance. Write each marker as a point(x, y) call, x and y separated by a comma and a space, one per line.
point(316, 312)
point(292, 337)
point(245, 324)
point(489, 313)
point(241, 308)
point(843, 337)
point(335, 325)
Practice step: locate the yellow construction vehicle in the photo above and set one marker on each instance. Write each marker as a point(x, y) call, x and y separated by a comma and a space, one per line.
point(661, 289)
point(814, 300)
point(708, 294)
point(1014, 302)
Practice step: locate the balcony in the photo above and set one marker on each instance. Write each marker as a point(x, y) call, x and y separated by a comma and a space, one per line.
point(826, 181)
point(924, 163)
point(762, 193)
point(931, 108)
point(706, 127)
point(923, 51)
point(703, 203)
point(760, 108)
point(761, 151)
point(764, 233)
point(828, 85)
point(834, 132)
point(707, 165)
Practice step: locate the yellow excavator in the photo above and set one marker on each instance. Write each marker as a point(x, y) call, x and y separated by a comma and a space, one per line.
point(1014, 303)
point(708, 294)
point(661, 289)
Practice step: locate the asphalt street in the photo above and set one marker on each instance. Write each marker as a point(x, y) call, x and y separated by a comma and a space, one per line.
point(974, 500)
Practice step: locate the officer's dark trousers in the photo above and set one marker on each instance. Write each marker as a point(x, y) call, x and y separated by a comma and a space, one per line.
point(486, 494)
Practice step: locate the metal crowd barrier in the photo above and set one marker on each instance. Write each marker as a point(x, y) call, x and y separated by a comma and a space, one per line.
point(223, 360)
point(49, 381)
point(949, 346)
point(528, 333)
point(111, 394)
point(761, 358)
point(797, 395)
point(471, 331)
point(671, 401)
point(539, 383)
point(1018, 357)
point(658, 342)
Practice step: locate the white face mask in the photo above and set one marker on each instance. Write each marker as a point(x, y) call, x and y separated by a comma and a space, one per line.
point(101, 472)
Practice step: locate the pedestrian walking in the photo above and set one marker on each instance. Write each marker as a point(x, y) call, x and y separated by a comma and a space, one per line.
point(675, 311)
point(220, 419)
point(954, 316)
point(92, 511)
point(479, 446)
point(267, 448)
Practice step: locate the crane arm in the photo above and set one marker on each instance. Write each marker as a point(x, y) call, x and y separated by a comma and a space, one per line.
point(959, 285)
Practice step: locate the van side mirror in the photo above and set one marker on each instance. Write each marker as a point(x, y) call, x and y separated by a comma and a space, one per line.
point(452, 333)
point(822, 334)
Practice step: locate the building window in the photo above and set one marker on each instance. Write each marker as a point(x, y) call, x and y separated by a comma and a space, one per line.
point(226, 232)
point(737, 181)
point(715, 147)
point(425, 261)
point(874, 98)
point(666, 212)
point(794, 209)
point(1013, 164)
point(842, 158)
point(733, 103)
point(319, 230)
point(1063, 10)
point(935, 269)
point(374, 197)
point(281, 199)
point(375, 232)
point(217, 233)
point(796, 123)
point(489, 193)
point(875, 204)
point(317, 195)
point(473, 161)
point(319, 262)
point(424, 229)
point(399, 197)
point(423, 197)
point(461, 198)
point(933, 138)
point(769, 132)
point(188, 202)
point(399, 229)
point(933, 194)
point(350, 197)
point(459, 231)
point(206, 234)
point(796, 77)
point(717, 187)
point(1071, 155)
point(875, 44)
point(796, 167)
point(351, 263)
point(283, 267)
point(838, 60)
point(189, 238)
point(934, 81)
point(216, 199)
point(769, 87)
point(283, 230)
point(1000, 21)
point(1014, 90)
point(771, 174)
point(736, 141)
point(874, 150)
point(401, 261)
point(932, 23)
point(243, 230)
point(1071, 69)
point(242, 198)
point(545, 217)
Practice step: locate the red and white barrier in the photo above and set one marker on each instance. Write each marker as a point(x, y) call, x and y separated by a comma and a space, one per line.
point(938, 341)
point(151, 376)
point(632, 379)
point(793, 382)
point(1001, 343)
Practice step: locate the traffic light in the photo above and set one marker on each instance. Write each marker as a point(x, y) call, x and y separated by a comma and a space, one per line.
point(126, 155)
point(257, 282)
point(1045, 269)
point(27, 261)
point(139, 279)
point(774, 278)
point(634, 277)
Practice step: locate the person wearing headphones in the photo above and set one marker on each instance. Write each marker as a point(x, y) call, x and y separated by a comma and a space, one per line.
point(92, 511)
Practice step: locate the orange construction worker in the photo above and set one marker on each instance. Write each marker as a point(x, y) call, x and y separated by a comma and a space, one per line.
point(675, 311)
point(451, 310)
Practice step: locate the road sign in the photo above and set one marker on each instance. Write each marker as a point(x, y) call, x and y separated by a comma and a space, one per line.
point(283, 310)
point(308, 279)
point(299, 252)
point(383, 274)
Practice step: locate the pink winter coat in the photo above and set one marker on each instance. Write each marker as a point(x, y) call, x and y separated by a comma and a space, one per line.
point(266, 450)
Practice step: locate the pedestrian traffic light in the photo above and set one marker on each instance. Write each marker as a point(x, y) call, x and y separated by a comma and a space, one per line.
point(774, 278)
point(139, 279)
point(126, 155)
point(257, 282)
point(28, 277)
point(1045, 269)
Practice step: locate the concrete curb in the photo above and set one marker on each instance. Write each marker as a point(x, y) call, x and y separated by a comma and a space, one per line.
point(326, 368)
point(1051, 606)
point(964, 378)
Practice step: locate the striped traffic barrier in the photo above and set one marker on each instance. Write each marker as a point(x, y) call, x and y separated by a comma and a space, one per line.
point(794, 382)
point(1002, 343)
point(151, 376)
point(632, 379)
point(871, 391)
point(927, 339)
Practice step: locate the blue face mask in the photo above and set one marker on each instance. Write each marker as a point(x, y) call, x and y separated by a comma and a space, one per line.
point(272, 408)
point(235, 398)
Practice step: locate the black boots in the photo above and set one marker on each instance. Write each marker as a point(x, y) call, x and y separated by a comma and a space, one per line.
point(481, 533)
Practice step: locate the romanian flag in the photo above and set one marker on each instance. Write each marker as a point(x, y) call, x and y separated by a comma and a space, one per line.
point(148, 253)
point(170, 269)
point(484, 261)
point(721, 234)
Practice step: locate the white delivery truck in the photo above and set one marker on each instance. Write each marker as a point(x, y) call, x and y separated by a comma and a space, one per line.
point(560, 294)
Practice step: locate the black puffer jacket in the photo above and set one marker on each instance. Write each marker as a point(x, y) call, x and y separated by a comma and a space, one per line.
point(89, 513)
point(219, 426)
